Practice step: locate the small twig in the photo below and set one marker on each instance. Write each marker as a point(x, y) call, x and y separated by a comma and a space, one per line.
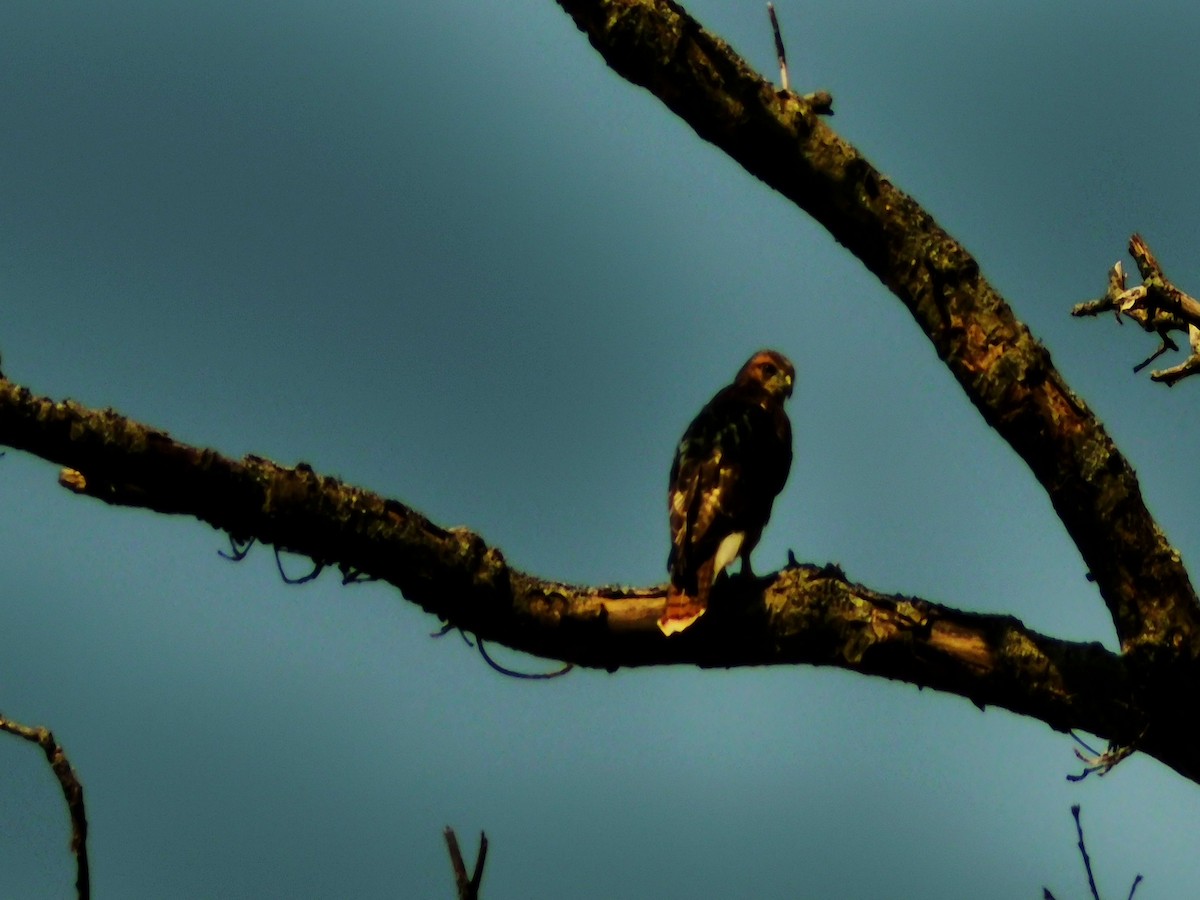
point(317, 569)
point(1188, 367)
point(238, 548)
point(72, 792)
point(351, 575)
point(468, 888)
point(1165, 344)
point(530, 676)
point(1087, 862)
point(1156, 305)
point(449, 627)
point(779, 49)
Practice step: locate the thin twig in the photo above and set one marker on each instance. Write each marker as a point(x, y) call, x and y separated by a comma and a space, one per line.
point(1165, 344)
point(72, 792)
point(351, 575)
point(1087, 862)
point(1084, 744)
point(468, 888)
point(238, 548)
point(511, 673)
point(317, 569)
point(779, 50)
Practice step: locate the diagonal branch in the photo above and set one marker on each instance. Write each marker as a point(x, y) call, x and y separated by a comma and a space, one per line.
point(803, 615)
point(72, 793)
point(1008, 375)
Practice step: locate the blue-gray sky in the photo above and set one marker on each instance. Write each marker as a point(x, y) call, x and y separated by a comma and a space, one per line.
point(439, 250)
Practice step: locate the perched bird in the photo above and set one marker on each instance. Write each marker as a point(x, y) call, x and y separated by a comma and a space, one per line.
point(731, 463)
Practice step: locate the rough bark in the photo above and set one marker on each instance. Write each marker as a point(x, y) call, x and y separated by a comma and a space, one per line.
point(802, 615)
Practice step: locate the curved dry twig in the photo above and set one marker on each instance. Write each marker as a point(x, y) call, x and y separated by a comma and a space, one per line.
point(239, 549)
point(312, 575)
point(72, 790)
point(513, 673)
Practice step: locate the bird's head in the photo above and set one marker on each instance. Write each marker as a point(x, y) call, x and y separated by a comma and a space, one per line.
point(770, 372)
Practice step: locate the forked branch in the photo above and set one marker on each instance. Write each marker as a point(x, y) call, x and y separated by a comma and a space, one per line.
point(1157, 305)
point(466, 886)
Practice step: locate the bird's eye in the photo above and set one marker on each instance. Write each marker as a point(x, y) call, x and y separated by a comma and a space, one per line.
point(768, 370)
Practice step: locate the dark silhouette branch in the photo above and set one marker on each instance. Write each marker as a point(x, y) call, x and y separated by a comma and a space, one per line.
point(802, 615)
point(513, 673)
point(1087, 864)
point(72, 793)
point(1087, 860)
point(467, 887)
point(780, 50)
point(1008, 375)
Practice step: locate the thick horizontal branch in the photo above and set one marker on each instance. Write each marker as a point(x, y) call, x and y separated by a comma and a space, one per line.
point(803, 615)
point(778, 137)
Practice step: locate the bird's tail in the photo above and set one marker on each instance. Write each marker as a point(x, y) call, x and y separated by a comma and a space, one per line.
point(683, 608)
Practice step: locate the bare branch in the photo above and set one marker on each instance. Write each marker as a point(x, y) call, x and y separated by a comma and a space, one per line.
point(780, 52)
point(1157, 305)
point(513, 673)
point(1173, 375)
point(1087, 862)
point(468, 888)
point(802, 615)
point(1007, 374)
point(72, 793)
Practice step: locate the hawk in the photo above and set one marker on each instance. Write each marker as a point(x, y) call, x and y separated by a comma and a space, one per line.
point(730, 464)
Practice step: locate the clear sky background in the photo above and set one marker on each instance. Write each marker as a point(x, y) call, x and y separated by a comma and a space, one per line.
point(441, 251)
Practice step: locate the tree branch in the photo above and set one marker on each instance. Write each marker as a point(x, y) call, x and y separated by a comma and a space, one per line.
point(802, 615)
point(467, 887)
point(1157, 305)
point(1008, 375)
point(72, 793)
